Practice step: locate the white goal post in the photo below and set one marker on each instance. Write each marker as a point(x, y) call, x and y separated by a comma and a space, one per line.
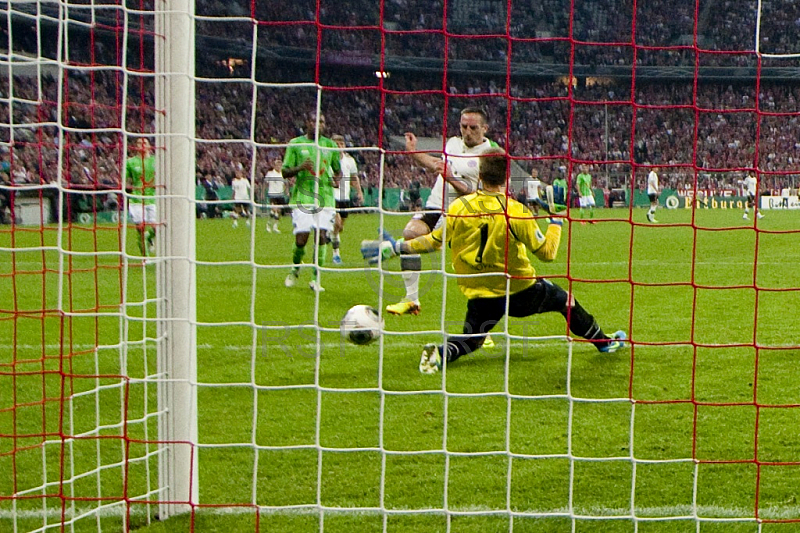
point(177, 354)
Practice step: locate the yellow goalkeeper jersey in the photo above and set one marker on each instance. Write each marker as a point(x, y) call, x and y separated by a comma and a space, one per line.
point(490, 236)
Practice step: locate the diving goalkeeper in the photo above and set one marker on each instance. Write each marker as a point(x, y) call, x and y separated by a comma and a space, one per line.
point(480, 226)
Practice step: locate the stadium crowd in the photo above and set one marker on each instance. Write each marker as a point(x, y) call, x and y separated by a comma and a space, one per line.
point(599, 32)
point(551, 126)
point(719, 129)
point(593, 32)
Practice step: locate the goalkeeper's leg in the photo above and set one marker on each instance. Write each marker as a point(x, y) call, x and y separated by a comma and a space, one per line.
point(545, 296)
point(482, 315)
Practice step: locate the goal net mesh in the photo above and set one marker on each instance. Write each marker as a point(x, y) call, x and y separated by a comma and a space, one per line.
point(692, 427)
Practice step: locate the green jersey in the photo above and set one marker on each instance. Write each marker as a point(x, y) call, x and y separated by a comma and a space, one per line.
point(140, 172)
point(584, 184)
point(313, 188)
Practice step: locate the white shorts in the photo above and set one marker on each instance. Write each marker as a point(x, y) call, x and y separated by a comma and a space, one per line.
point(304, 219)
point(139, 215)
point(586, 201)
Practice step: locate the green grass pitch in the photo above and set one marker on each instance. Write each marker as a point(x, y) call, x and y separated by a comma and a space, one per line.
point(692, 429)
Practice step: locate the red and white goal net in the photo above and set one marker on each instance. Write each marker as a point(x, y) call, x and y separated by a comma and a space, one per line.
point(133, 390)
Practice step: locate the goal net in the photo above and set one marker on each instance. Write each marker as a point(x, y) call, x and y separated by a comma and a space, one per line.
point(161, 361)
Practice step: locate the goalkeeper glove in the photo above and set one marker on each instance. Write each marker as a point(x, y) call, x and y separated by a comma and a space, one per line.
point(559, 221)
point(383, 249)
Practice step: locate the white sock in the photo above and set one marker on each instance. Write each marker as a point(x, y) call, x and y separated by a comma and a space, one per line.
point(411, 280)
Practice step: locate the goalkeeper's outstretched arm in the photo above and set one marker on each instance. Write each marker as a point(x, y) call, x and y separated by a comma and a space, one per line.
point(423, 244)
point(388, 247)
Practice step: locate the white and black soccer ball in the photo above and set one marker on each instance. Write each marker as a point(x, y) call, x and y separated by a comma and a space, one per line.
point(361, 325)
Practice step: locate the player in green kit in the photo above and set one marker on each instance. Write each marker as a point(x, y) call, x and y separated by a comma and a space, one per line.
point(316, 172)
point(586, 195)
point(140, 175)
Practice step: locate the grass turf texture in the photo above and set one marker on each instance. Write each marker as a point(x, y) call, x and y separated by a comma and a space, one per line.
point(316, 422)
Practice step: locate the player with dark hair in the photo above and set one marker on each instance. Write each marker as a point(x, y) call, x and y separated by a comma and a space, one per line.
point(491, 234)
point(316, 169)
point(457, 175)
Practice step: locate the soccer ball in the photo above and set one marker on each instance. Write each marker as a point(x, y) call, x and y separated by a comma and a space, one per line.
point(361, 325)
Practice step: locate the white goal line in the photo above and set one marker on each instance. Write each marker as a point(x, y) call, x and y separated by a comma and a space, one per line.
point(397, 341)
point(701, 513)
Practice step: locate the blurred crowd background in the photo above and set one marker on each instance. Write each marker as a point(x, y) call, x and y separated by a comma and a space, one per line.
point(595, 84)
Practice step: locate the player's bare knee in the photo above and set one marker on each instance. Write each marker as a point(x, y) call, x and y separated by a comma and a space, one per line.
point(415, 228)
point(411, 233)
